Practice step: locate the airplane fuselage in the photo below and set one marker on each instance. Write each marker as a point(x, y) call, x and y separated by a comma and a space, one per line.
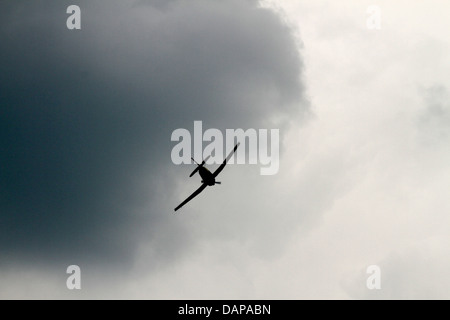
point(207, 176)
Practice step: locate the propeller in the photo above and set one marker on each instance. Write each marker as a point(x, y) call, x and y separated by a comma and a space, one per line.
point(198, 165)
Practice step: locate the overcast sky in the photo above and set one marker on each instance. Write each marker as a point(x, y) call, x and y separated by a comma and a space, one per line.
point(86, 177)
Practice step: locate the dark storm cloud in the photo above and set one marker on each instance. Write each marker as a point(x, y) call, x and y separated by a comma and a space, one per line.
point(86, 116)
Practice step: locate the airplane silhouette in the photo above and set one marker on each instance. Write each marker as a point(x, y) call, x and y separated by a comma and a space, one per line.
point(209, 178)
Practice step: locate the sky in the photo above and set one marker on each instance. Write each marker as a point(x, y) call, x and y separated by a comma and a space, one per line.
point(86, 176)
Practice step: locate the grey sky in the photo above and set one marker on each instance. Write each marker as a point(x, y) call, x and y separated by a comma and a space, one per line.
point(87, 116)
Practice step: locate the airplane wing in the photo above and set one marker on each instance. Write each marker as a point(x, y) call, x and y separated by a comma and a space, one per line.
point(192, 196)
point(224, 163)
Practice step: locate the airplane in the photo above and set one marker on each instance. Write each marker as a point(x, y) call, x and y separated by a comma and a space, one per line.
point(209, 178)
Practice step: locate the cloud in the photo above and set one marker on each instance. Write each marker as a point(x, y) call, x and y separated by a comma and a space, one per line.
point(434, 121)
point(85, 143)
point(416, 272)
point(87, 115)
